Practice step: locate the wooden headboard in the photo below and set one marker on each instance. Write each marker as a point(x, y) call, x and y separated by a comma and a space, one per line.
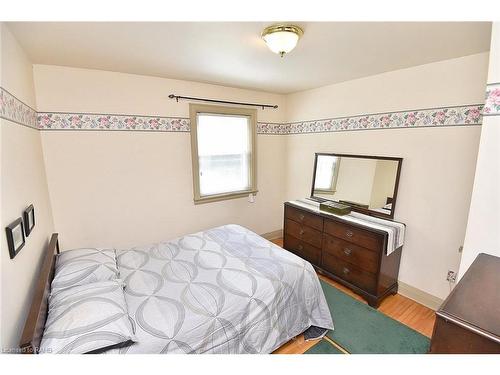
point(35, 322)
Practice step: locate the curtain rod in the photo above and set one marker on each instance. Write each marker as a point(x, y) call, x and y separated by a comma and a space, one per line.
point(263, 106)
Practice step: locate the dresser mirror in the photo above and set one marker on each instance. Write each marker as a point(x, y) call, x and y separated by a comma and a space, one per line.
point(369, 184)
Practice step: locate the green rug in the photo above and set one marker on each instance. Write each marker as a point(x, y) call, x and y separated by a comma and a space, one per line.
point(360, 329)
point(323, 347)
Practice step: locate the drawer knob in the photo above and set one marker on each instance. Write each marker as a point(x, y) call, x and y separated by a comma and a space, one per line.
point(347, 251)
point(301, 217)
point(349, 233)
point(301, 232)
point(300, 247)
point(346, 270)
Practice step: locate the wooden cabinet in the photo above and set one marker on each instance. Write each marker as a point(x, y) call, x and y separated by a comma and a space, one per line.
point(304, 233)
point(468, 321)
point(351, 254)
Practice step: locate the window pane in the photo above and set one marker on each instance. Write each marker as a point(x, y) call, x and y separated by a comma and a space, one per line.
point(325, 169)
point(224, 153)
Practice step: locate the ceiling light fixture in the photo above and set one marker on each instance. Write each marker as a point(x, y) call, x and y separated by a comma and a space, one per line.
point(282, 39)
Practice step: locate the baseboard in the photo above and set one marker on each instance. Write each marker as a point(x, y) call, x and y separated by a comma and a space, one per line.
point(419, 296)
point(273, 235)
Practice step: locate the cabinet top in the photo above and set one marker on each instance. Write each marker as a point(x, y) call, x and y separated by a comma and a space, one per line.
point(392, 230)
point(475, 302)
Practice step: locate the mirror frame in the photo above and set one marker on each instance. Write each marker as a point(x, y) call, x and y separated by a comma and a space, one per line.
point(355, 208)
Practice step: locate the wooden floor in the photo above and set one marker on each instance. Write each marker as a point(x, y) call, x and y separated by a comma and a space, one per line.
point(398, 307)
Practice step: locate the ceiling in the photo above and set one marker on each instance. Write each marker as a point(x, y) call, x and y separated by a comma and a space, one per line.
point(233, 54)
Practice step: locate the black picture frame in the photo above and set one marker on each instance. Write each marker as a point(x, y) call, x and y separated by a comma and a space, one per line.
point(15, 237)
point(29, 219)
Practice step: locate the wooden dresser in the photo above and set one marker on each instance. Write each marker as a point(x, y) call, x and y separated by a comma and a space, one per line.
point(353, 255)
point(468, 321)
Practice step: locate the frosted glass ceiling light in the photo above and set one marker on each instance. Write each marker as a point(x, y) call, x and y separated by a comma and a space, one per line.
point(282, 39)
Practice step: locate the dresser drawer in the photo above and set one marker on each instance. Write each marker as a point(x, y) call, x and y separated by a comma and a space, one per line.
point(348, 252)
point(354, 235)
point(350, 273)
point(302, 249)
point(303, 233)
point(303, 217)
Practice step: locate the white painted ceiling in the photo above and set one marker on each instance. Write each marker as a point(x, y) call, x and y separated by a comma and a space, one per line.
point(233, 54)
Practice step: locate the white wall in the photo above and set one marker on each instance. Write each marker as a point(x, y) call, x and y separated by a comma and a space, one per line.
point(483, 234)
point(17, 71)
point(129, 188)
point(23, 183)
point(445, 83)
point(439, 163)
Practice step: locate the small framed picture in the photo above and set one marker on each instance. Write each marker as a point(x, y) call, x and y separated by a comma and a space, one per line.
point(29, 219)
point(15, 237)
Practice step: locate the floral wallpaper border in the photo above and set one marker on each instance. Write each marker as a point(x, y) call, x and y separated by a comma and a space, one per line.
point(448, 116)
point(435, 117)
point(492, 102)
point(91, 121)
point(13, 109)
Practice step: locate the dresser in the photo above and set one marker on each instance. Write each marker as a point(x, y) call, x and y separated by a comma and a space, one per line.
point(349, 253)
point(468, 321)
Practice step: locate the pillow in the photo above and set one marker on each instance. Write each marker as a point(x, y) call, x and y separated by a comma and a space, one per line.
point(83, 266)
point(89, 318)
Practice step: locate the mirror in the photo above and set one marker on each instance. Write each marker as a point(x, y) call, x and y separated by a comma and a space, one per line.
point(368, 184)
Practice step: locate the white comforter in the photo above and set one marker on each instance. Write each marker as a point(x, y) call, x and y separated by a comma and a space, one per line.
point(224, 290)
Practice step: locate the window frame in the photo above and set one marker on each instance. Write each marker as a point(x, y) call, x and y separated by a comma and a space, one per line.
point(333, 186)
point(194, 110)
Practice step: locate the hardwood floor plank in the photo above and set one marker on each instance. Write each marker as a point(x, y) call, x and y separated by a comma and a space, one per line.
point(296, 346)
point(403, 309)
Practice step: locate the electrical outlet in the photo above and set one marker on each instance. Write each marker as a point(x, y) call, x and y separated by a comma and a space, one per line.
point(451, 276)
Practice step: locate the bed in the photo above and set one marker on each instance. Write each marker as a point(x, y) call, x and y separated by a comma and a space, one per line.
point(224, 290)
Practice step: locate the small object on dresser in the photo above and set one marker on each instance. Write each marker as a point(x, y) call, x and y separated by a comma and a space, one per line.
point(357, 204)
point(335, 208)
point(15, 237)
point(29, 219)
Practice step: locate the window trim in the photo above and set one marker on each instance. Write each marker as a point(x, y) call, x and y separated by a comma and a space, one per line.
point(333, 186)
point(194, 109)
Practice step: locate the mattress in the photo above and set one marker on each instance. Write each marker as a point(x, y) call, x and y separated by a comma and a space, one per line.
point(224, 290)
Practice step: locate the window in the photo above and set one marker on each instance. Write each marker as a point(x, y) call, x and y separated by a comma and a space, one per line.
point(223, 152)
point(327, 169)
